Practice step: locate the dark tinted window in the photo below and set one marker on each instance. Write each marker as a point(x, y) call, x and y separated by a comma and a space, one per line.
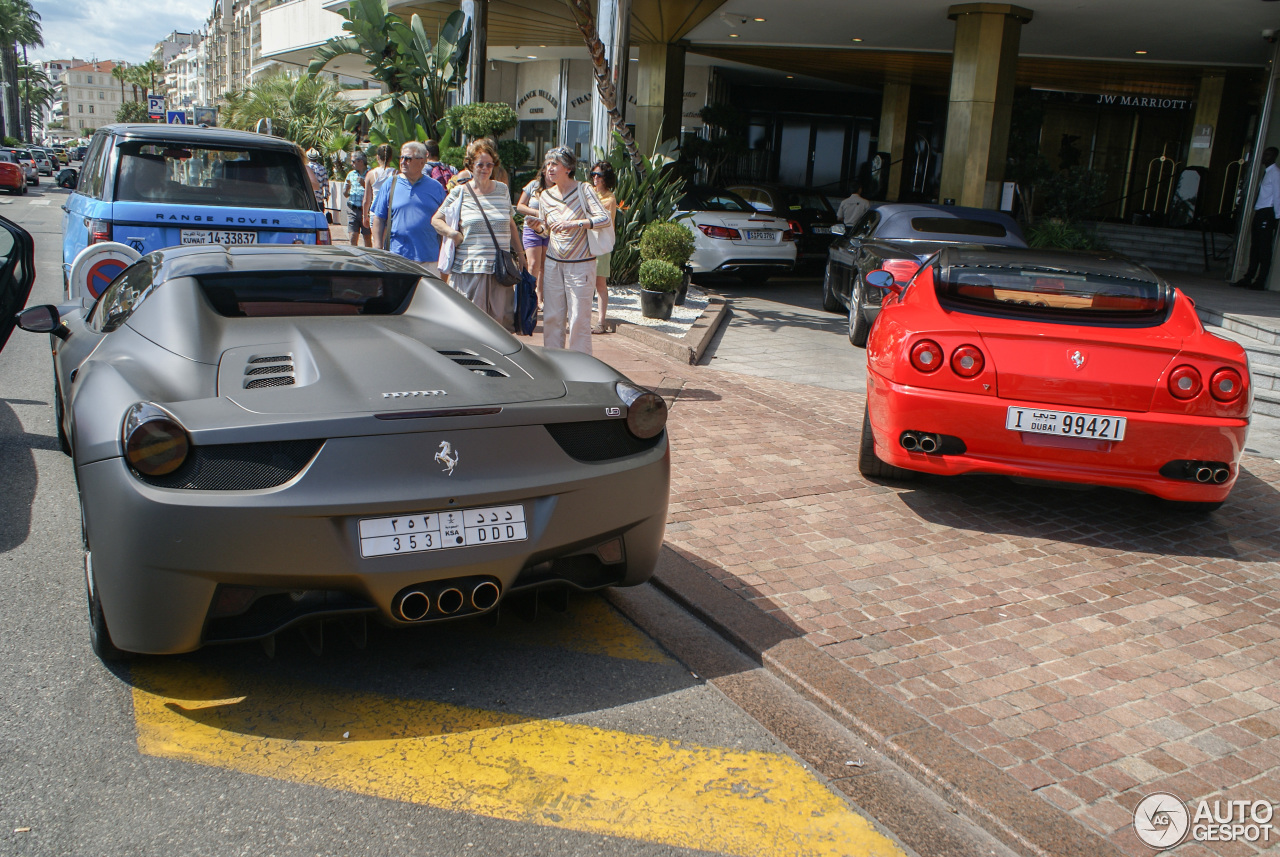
point(93, 171)
point(866, 224)
point(185, 174)
point(1051, 293)
point(125, 293)
point(808, 202)
point(285, 293)
point(957, 226)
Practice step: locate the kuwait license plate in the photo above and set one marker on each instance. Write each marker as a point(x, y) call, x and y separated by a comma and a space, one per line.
point(760, 234)
point(217, 236)
point(433, 531)
point(1065, 423)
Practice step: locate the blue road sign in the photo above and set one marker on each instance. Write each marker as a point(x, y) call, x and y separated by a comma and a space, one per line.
point(177, 117)
point(155, 106)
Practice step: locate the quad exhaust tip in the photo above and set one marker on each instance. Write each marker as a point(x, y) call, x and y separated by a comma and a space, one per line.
point(414, 605)
point(484, 596)
point(450, 601)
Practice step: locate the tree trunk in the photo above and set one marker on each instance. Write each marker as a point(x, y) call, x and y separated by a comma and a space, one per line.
point(11, 93)
point(586, 22)
point(26, 94)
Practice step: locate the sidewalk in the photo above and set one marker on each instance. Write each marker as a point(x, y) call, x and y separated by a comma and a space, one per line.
point(1045, 658)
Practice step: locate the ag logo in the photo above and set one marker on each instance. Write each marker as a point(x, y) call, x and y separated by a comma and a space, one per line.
point(1161, 820)
point(446, 456)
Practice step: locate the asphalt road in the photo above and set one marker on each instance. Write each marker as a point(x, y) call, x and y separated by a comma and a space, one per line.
point(575, 733)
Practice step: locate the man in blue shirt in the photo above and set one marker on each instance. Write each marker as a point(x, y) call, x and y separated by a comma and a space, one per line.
point(417, 198)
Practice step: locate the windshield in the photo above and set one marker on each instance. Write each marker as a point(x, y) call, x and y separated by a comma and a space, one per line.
point(1050, 292)
point(196, 175)
point(714, 200)
point(289, 293)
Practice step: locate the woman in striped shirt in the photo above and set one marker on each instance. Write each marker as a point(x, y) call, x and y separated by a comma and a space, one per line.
point(472, 271)
point(569, 209)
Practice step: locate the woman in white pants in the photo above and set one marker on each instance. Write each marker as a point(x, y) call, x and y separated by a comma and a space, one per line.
point(569, 209)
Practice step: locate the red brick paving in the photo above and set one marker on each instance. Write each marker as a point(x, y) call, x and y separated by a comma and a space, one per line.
point(1091, 644)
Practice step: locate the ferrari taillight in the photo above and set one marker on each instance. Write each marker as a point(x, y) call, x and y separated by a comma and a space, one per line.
point(967, 361)
point(1226, 385)
point(926, 355)
point(720, 232)
point(1184, 382)
point(902, 269)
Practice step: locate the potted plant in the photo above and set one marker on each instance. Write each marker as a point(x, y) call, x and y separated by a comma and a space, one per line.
point(659, 280)
point(669, 242)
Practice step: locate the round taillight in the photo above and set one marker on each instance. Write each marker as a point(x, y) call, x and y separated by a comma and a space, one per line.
point(1184, 382)
point(926, 355)
point(967, 361)
point(155, 443)
point(1226, 385)
point(646, 410)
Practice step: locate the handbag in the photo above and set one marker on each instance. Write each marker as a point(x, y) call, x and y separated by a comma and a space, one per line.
point(448, 246)
point(599, 241)
point(391, 201)
point(526, 304)
point(506, 268)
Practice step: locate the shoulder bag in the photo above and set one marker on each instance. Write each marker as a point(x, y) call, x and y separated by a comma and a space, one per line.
point(506, 268)
point(391, 201)
point(601, 240)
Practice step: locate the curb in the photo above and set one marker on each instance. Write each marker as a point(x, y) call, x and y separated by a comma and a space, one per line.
point(989, 796)
point(690, 347)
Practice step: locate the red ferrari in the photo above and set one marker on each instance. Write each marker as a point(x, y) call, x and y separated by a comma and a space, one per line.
point(1057, 366)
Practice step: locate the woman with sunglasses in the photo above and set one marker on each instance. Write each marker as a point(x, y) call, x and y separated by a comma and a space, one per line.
point(569, 209)
point(603, 181)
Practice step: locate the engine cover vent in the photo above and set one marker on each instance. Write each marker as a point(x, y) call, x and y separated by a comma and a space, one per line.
point(473, 361)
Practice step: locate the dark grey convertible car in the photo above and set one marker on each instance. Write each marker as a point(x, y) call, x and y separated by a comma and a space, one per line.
point(271, 435)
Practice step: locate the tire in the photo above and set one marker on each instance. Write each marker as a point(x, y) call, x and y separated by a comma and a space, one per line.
point(37, 181)
point(859, 327)
point(63, 441)
point(870, 465)
point(99, 634)
point(830, 300)
point(24, 188)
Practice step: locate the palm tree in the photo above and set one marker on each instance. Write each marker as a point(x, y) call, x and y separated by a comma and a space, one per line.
point(121, 73)
point(308, 111)
point(19, 25)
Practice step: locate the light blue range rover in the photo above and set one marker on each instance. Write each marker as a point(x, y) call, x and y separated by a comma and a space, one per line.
point(157, 186)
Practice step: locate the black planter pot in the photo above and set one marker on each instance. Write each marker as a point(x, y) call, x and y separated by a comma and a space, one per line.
point(683, 291)
point(657, 304)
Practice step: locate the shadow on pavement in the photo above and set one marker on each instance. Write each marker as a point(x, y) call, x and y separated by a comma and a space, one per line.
point(17, 474)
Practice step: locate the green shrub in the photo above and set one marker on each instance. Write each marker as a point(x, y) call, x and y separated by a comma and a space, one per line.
point(1060, 235)
point(659, 275)
point(640, 203)
point(483, 119)
point(671, 242)
point(513, 155)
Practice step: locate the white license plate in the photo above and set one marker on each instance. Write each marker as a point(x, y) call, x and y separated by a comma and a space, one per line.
point(433, 531)
point(217, 236)
point(1065, 423)
point(760, 234)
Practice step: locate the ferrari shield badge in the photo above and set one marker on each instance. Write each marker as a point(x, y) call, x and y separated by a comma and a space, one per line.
point(1077, 357)
point(445, 455)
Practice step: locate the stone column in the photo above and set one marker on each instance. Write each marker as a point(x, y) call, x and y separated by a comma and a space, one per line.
point(983, 65)
point(477, 12)
point(1208, 113)
point(659, 94)
point(613, 22)
point(893, 132)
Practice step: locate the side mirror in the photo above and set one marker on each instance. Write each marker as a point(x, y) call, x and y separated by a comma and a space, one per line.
point(881, 279)
point(837, 229)
point(42, 319)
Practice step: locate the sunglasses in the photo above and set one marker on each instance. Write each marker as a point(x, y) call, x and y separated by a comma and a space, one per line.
point(597, 175)
point(410, 158)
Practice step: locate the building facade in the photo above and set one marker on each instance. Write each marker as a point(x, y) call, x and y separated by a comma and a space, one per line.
point(54, 114)
point(89, 97)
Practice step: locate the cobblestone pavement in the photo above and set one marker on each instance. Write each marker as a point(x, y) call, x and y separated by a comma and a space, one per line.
point(1090, 643)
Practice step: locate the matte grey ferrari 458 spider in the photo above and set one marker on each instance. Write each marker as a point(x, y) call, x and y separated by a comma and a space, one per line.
point(268, 436)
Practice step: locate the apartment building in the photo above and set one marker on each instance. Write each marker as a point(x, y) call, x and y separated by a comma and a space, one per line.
point(185, 76)
point(55, 111)
point(89, 96)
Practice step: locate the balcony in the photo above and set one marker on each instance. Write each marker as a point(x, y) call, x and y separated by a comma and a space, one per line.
point(292, 31)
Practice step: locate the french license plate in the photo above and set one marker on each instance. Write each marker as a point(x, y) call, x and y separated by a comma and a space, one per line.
point(760, 234)
point(217, 236)
point(433, 531)
point(1065, 423)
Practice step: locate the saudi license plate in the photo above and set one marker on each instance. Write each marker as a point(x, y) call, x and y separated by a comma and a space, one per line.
point(1065, 423)
point(217, 236)
point(432, 531)
point(760, 234)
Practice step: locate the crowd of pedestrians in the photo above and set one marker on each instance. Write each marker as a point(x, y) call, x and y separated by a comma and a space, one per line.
point(464, 222)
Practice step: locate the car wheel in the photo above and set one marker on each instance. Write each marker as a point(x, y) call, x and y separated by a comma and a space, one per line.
point(99, 634)
point(859, 327)
point(869, 464)
point(24, 188)
point(830, 302)
point(37, 181)
point(63, 441)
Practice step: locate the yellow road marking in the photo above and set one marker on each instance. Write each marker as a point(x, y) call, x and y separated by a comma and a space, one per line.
point(590, 626)
point(546, 772)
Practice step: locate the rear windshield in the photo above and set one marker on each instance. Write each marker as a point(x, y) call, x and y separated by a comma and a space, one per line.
point(809, 203)
point(284, 293)
point(957, 226)
point(1052, 293)
point(197, 175)
point(714, 200)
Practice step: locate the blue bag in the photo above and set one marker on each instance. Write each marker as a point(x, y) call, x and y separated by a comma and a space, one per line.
point(526, 304)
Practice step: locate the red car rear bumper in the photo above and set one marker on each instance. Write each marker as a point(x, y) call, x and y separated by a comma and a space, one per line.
point(1151, 440)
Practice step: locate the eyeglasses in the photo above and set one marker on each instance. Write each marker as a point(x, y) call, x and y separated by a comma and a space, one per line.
point(597, 175)
point(482, 165)
point(410, 158)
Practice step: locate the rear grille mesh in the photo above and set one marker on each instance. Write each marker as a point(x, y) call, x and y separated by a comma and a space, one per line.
point(600, 440)
point(277, 381)
point(270, 370)
point(239, 466)
point(279, 358)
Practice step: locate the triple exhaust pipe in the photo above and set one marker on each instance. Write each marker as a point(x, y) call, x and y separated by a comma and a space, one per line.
point(919, 441)
point(415, 604)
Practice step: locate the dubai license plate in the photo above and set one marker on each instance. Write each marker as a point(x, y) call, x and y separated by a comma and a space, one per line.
point(432, 531)
point(217, 236)
point(1065, 423)
point(760, 234)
